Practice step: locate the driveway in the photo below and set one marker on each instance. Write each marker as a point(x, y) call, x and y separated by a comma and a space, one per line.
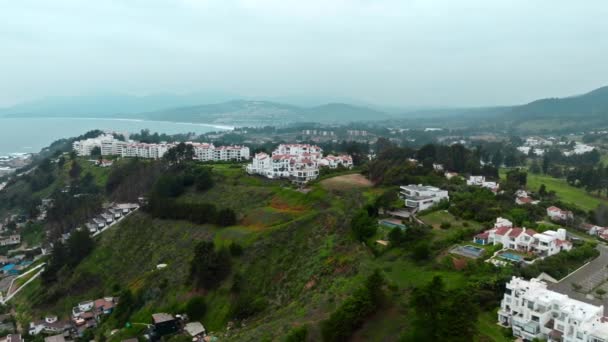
point(589, 277)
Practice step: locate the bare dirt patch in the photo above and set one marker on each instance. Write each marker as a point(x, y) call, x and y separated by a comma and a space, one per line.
point(346, 182)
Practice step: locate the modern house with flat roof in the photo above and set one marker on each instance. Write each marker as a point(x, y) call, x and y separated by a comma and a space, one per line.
point(422, 197)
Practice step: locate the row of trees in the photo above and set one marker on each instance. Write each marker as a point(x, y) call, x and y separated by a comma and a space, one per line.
point(200, 213)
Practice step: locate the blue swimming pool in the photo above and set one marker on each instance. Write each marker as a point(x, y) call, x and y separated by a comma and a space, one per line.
point(511, 256)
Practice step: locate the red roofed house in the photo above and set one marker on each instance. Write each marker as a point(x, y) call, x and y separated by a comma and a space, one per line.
point(556, 214)
point(526, 240)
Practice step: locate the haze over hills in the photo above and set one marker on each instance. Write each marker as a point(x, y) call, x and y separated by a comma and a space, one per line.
point(222, 108)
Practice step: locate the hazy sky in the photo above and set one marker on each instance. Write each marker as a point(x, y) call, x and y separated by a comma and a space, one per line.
point(400, 52)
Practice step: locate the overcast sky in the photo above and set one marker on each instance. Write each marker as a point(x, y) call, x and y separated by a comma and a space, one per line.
point(401, 52)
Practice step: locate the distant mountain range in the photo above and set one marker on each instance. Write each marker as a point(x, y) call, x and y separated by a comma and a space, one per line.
point(182, 109)
point(589, 108)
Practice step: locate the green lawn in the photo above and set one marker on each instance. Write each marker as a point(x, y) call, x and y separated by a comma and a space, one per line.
point(487, 327)
point(565, 192)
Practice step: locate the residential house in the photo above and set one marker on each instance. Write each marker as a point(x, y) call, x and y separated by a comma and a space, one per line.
point(522, 200)
point(195, 329)
point(543, 244)
point(422, 197)
point(14, 239)
point(12, 338)
point(165, 324)
point(86, 314)
point(55, 338)
point(480, 181)
point(49, 325)
point(534, 312)
point(556, 214)
point(438, 167)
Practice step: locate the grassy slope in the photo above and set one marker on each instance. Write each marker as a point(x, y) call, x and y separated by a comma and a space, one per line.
point(565, 192)
point(298, 255)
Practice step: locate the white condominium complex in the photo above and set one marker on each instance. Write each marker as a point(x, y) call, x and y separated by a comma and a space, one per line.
point(298, 162)
point(202, 151)
point(85, 147)
point(534, 312)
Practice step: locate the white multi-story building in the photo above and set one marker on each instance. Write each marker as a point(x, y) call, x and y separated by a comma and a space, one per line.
point(422, 197)
point(298, 162)
point(228, 153)
point(85, 147)
point(534, 312)
point(202, 151)
point(147, 151)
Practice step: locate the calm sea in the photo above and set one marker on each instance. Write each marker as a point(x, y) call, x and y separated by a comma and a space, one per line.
point(32, 134)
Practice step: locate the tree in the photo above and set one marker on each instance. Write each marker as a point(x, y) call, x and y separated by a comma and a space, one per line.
point(422, 251)
point(542, 191)
point(226, 217)
point(442, 315)
point(96, 151)
point(298, 334)
point(75, 170)
point(209, 267)
point(196, 308)
point(363, 226)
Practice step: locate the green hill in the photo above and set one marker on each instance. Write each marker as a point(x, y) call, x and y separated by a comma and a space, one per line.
point(300, 262)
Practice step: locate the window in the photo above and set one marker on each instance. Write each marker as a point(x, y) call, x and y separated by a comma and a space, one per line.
point(579, 335)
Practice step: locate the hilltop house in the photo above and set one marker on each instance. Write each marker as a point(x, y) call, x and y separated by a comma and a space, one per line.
point(534, 312)
point(556, 214)
point(543, 244)
point(422, 197)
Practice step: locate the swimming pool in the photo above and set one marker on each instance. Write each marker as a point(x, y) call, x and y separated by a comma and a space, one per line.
point(468, 251)
point(392, 224)
point(511, 257)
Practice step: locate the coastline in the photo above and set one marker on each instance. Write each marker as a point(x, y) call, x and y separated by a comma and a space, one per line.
point(27, 135)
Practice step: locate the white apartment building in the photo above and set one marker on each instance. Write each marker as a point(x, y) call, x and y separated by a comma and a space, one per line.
point(298, 162)
point(228, 153)
point(202, 151)
point(532, 311)
point(85, 147)
point(147, 151)
point(422, 197)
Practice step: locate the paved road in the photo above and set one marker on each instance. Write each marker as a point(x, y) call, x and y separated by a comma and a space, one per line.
point(590, 276)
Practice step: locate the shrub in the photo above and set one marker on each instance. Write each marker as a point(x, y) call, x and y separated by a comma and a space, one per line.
point(196, 308)
point(445, 225)
point(235, 249)
point(297, 334)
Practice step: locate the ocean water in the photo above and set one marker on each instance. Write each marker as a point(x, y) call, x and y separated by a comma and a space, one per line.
point(29, 135)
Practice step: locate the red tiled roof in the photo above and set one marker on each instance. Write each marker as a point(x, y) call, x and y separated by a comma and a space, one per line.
point(483, 235)
point(553, 208)
point(502, 230)
point(525, 199)
point(515, 232)
point(530, 231)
